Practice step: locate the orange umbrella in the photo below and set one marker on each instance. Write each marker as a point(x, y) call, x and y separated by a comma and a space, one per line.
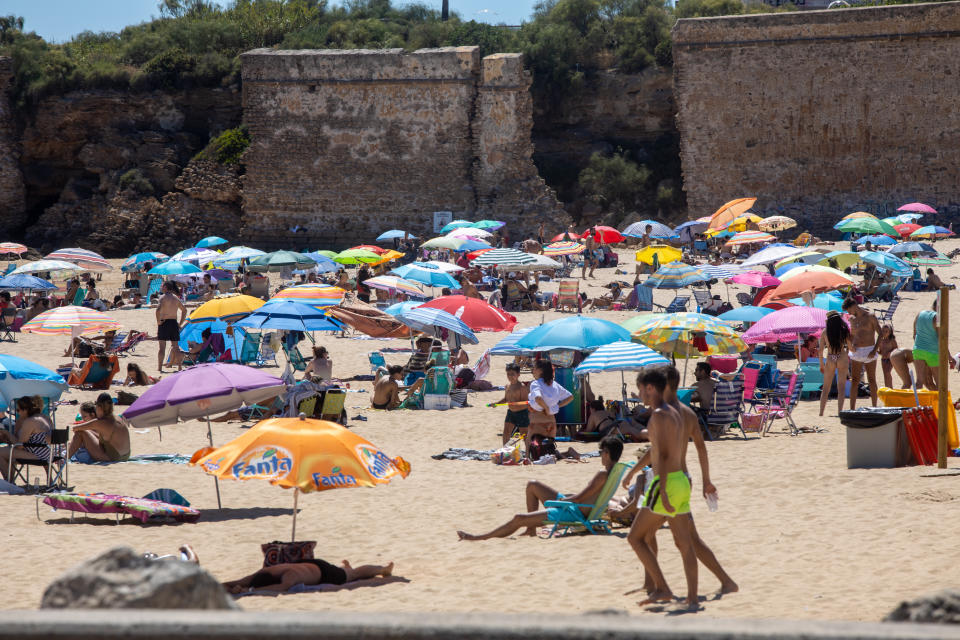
point(813, 281)
point(728, 212)
point(301, 454)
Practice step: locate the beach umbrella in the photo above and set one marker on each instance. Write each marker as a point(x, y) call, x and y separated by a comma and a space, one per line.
point(12, 247)
point(620, 356)
point(781, 271)
point(563, 248)
point(20, 377)
point(866, 226)
point(858, 214)
point(174, 267)
point(472, 244)
point(689, 335)
point(745, 314)
point(232, 257)
point(894, 220)
point(196, 254)
point(826, 301)
point(368, 247)
point(887, 262)
point(772, 253)
point(225, 308)
point(45, 266)
point(676, 275)
point(504, 258)
point(302, 454)
point(877, 240)
point(395, 234)
point(84, 258)
point(540, 263)
point(687, 230)
point(289, 315)
point(136, 260)
point(429, 275)
point(909, 217)
point(721, 271)
point(475, 313)
point(470, 232)
point(315, 295)
point(636, 321)
point(508, 346)
point(813, 268)
point(489, 225)
point(280, 260)
point(447, 267)
point(938, 260)
point(913, 248)
point(400, 307)
point(455, 224)
point(577, 333)
point(756, 279)
point(807, 257)
point(395, 284)
point(433, 320)
point(605, 235)
point(326, 253)
point(444, 242)
point(323, 263)
point(723, 216)
point(931, 231)
point(776, 223)
point(843, 259)
point(750, 237)
point(211, 241)
point(917, 207)
point(786, 324)
point(906, 228)
point(812, 282)
point(199, 391)
point(25, 282)
point(566, 235)
point(740, 222)
point(663, 253)
point(70, 320)
point(659, 230)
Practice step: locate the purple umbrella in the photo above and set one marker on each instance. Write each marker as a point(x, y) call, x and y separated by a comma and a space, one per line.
point(199, 391)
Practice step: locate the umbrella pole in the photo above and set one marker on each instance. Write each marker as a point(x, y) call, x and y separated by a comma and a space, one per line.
point(293, 531)
point(216, 481)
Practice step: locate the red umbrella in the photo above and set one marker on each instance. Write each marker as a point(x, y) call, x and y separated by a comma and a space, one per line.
point(475, 313)
point(564, 236)
point(369, 247)
point(473, 254)
point(906, 228)
point(607, 235)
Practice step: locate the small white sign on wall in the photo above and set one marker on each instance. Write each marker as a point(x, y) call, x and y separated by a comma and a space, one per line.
point(441, 219)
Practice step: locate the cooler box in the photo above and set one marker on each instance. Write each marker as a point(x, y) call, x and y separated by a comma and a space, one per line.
point(875, 438)
point(436, 401)
point(904, 398)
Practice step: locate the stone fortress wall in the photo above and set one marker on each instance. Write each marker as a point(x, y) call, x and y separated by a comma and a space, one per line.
point(821, 113)
point(12, 191)
point(347, 144)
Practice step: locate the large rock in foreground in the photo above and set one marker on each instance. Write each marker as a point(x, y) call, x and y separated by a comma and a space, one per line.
point(123, 579)
point(942, 607)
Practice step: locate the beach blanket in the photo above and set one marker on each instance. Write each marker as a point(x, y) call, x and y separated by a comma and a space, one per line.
point(145, 458)
point(304, 588)
point(139, 508)
point(455, 453)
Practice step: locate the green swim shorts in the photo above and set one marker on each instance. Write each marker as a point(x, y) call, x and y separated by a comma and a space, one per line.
point(678, 491)
point(930, 358)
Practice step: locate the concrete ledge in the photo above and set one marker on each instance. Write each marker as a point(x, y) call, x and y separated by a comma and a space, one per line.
point(189, 625)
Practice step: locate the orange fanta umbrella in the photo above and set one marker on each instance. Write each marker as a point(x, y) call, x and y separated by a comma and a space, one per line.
point(304, 455)
point(728, 212)
point(812, 281)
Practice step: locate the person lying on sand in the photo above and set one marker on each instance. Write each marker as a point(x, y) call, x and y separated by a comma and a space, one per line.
point(281, 577)
point(537, 493)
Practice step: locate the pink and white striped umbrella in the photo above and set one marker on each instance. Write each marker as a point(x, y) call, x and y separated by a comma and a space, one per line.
point(12, 247)
point(89, 260)
point(784, 325)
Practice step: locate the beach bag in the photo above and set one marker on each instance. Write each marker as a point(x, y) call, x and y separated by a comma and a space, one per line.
point(540, 446)
point(126, 398)
point(277, 552)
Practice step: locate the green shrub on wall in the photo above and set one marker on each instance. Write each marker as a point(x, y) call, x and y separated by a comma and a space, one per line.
point(227, 147)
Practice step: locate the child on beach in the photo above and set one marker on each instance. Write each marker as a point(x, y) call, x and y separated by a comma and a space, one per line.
point(515, 396)
point(886, 346)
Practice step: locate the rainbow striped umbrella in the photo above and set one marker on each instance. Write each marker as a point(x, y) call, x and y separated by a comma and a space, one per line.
point(563, 248)
point(12, 247)
point(689, 335)
point(393, 283)
point(932, 231)
point(750, 237)
point(676, 275)
point(82, 258)
point(316, 295)
point(70, 320)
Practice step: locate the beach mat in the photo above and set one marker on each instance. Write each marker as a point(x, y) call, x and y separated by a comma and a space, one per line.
point(145, 458)
point(303, 588)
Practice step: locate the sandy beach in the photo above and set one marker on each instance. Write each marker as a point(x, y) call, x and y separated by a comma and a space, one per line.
point(802, 535)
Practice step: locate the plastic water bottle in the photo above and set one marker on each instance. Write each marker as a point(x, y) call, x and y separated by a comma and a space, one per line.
point(713, 501)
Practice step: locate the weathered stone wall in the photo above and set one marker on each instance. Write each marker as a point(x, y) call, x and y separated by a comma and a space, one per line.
point(821, 113)
point(11, 180)
point(346, 144)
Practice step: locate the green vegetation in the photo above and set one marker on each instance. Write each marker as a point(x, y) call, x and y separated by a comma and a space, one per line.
point(136, 182)
point(616, 183)
point(227, 147)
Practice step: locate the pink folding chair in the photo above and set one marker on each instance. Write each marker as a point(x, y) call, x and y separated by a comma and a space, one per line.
point(752, 419)
point(781, 403)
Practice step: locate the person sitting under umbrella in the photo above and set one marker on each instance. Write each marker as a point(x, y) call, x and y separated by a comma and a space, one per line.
point(281, 577)
point(104, 439)
point(32, 429)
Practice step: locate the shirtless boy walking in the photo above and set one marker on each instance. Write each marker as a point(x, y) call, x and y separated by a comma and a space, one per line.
point(668, 495)
point(168, 326)
point(865, 334)
point(515, 395)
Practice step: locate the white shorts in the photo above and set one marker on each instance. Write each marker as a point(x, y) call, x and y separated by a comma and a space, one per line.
point(862, 354)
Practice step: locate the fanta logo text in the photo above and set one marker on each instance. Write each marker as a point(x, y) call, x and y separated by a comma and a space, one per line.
point(270, 463)
point(377, 463)
point(337, 480)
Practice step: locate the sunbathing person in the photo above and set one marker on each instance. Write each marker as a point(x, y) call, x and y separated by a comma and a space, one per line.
point(137, 377)
point(538, 493)
point(281, 577)
point(105, 439)
point(607, 300)
point(386, 390)
point(32, 429)
point(274, 406)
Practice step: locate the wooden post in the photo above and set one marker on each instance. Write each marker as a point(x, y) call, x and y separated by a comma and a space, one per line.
point(943, 386)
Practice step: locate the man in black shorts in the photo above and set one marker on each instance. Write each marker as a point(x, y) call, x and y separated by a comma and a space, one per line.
point(168, 326)
point(281, 577)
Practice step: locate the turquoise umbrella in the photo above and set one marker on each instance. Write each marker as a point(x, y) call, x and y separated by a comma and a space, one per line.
point(174, 268)
point(578, 333)
point(19, 378)
point(212, 241)
point(490, 225)
point(456, 224)
point(887, 262)
point(745, 314)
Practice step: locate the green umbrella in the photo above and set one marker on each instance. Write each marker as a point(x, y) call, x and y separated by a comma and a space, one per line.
point(356, 256)
point(634, 323)
point(866, 225)
point(326, 252)
point(280, 260)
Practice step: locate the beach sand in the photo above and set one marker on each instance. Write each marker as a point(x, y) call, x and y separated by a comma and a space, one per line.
point(802, 535)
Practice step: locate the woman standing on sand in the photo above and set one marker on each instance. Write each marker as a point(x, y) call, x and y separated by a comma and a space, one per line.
point(546, 398)
point(835, 340)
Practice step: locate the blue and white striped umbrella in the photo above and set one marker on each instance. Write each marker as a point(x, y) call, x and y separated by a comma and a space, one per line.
point(887, 262)
point(508, 346)
point(427, 274)
point(659, 230)
point(395, 234)
point(720, 272)
point(620, 356)
point(430, 320)
point(503, 257)
point(676, 275)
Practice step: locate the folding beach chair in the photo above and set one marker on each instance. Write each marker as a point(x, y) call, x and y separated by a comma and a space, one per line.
point(781, 401)
point(266, 355)
point(118, 339)
point(7, 320)
point(376, 361)
point(812, 379)
point(569, 515)
point(250, 350)
point(644, 297)
point(79, 297)
point(295, 358)
point(726, 409)
point(55, 464)
point(887, 315)
point(95, 375)
point(130, 343)
point(702, 297)
point(568, 295)
point(678, 304)
point(332, 406)
point(745, 299)
point(153, 288)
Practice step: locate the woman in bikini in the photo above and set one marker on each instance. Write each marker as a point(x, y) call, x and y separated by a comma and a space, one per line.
point(281, 577)
point(137, 377)
point(835, 341)
point(105, 439)
point(885, 347)
point(32, 429)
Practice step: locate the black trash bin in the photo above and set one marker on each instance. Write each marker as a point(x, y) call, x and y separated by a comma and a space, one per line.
point(874, 437)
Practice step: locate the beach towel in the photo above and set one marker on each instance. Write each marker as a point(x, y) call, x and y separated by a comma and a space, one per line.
point(304, 588)
point(140, 508)
point(456, 453)
point(145, 458)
